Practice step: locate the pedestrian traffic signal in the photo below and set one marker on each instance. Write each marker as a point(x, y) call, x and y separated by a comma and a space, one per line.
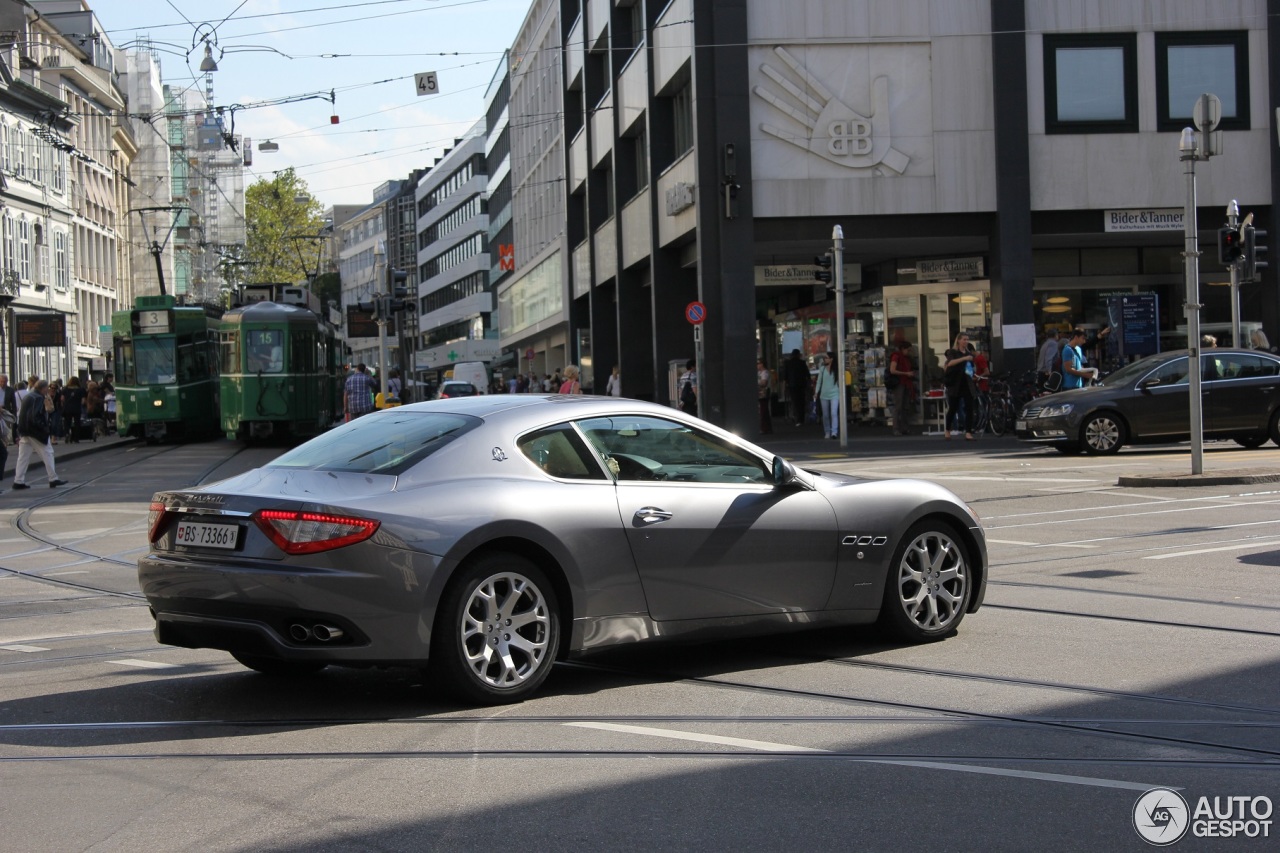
point(1228, 245)
point(1252, 248)
point(823, 272)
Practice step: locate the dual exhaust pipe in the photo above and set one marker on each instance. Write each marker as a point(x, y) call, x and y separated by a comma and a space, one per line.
point(318, 632)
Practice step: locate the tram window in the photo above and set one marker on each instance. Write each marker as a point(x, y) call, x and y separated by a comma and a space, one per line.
point(303, 354)
point(230, 352)
point(124, 362)
point(155, 361)
point(266, 350)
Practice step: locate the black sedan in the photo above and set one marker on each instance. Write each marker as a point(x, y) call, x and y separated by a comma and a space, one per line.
point(1147, 402)
point(484, 537)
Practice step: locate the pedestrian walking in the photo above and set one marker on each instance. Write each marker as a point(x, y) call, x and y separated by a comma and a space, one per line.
point(358, 393)
point(35, 431)
point(613, 387)
point(826, 390)
point(689, 388)
point(957, 378)
point(903, 371)
point(571, 385)
point(795, 376)
point(764, 394)
point(1048, 362)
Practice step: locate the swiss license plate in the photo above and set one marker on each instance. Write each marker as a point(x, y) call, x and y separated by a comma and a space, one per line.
point(198, 534)
point(1020, 425)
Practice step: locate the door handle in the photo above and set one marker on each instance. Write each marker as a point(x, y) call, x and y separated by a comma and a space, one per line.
point(652, 515)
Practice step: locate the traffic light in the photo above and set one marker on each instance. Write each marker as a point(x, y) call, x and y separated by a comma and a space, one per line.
point(1228, 245)
point(823, 272)
point(370, 308)
point(399, 291)
point(1252, 266)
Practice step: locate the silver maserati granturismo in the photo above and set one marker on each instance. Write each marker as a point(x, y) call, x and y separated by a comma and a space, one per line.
point(484, 537)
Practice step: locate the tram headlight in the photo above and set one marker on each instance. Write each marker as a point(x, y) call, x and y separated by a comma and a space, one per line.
point(157, 403)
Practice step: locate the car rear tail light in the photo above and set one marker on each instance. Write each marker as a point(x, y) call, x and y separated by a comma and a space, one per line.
point(155, 519)
point(311, 532)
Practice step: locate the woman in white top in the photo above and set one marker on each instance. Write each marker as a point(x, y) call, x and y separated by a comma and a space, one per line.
point(614, 386)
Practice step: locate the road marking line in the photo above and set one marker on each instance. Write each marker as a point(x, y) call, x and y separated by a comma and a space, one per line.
point(1011, 542)
point(769, 746)
point(1260, 544)
point(16, 647)
point(144, 664)
point(762, 745)
point(60, 574)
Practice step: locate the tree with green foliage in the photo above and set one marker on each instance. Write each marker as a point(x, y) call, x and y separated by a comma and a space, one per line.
point(283, 222)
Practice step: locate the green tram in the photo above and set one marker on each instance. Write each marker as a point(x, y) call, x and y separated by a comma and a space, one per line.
point(281, 369)
point(166, 368)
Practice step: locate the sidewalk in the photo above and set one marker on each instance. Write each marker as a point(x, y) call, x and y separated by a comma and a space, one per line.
point(870, 439)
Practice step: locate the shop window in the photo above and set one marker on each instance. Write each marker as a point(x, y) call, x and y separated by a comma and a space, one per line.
point(1091, 83)
point(1190, 64)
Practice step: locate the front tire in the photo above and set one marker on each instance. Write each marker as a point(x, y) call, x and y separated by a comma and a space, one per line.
point(929, 584)
point(1102, 434)
point(496, 632)
point(1250, 442)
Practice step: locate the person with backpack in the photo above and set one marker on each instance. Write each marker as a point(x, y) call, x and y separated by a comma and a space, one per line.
point(689, 388)
point(1049, 362)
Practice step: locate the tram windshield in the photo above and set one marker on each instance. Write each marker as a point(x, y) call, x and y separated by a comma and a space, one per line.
point(266, 351)
point(154, 358)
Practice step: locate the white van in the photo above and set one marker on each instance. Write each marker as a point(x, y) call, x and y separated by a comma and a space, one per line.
point(473, 372)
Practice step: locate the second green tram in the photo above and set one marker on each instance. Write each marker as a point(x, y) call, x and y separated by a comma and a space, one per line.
point(166, 369)
point(280, 372)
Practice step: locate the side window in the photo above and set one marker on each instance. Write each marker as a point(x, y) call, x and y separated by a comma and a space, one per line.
point(559, 452)
point(1173, 373)
point(1253, 366)
point(647, 448)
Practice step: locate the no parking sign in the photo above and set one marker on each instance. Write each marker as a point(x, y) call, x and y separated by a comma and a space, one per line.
point(695, 313)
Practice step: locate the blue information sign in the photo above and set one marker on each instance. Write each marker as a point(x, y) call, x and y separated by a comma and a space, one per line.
point(1135, 325)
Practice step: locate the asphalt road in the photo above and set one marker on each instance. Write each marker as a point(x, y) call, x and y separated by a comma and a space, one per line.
point(1129, 641)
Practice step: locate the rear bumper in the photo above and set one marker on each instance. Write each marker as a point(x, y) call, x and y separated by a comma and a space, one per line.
point(253, 609)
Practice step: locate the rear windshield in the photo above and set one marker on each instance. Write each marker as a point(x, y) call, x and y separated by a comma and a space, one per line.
point(388, 442)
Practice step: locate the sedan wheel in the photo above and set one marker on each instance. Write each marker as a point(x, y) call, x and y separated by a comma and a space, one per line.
point(1102, 434)
point(496, 632)
point(1251, 441)
point(928, 587)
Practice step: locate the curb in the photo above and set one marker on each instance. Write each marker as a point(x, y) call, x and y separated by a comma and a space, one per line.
point(1219, 478)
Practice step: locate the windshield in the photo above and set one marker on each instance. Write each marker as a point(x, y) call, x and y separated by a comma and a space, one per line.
point(154, 358)
point(1133, 372)
point(384, 443)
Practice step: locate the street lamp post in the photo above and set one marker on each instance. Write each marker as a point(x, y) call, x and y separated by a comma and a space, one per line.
point(837, 268)
point(1191, 252)
point(381, 310)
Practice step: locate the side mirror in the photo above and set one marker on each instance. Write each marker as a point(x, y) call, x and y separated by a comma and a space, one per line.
point(1149, 382)
point(784, 473)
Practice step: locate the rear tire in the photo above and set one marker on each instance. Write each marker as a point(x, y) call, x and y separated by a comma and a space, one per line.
point(496, 631)
point(1251, 442)
point(929, 584)
point(277, 667)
